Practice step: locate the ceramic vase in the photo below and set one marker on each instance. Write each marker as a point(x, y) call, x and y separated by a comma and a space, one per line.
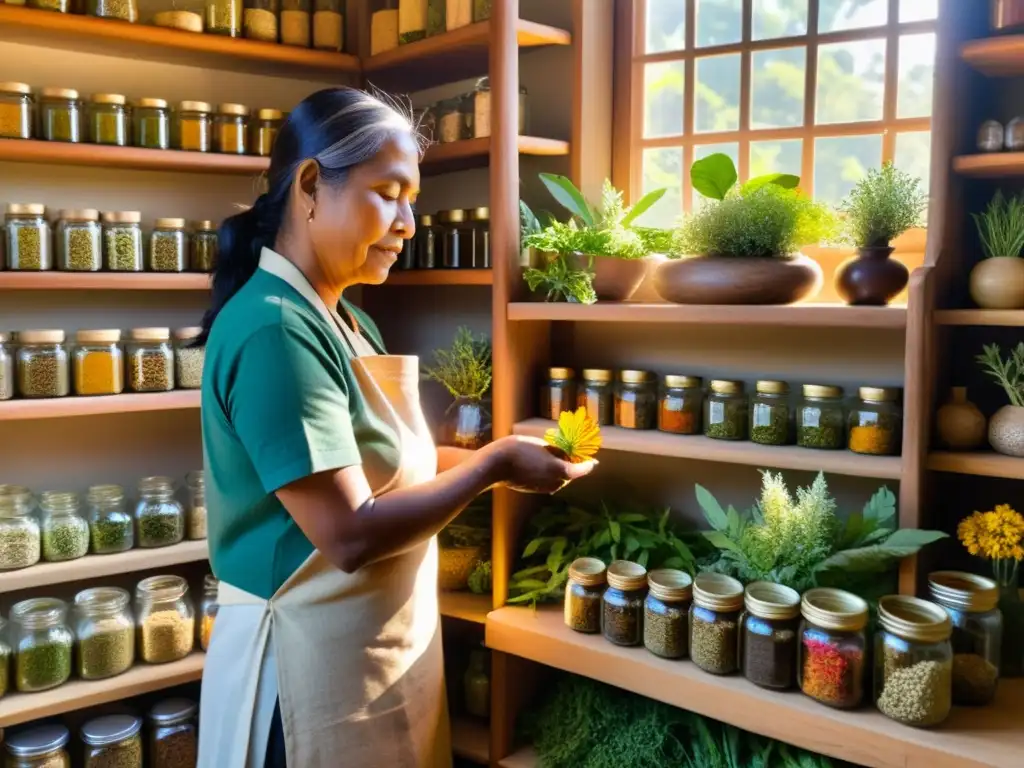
point(959, 423)
point(998, 283)
point(1006, 430)
point(871, 278)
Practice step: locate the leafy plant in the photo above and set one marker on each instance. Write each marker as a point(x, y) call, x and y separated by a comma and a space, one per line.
point(883, 205)
point(1008, 373)
point(529, 224)
point(577, 437)
point(465, 369)
point(480, 579)
point(559, 280)
point(1001, 226)
point(715, 177)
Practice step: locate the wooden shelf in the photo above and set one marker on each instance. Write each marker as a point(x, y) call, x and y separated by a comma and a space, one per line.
point(476, 153)
point(996, 56)
point(797, 316)
point(59, 407)
point(700, 448)
point(471, 739)
point(465, 606)
point(983, 463)
point(425, 277)
point(986, 737)
point(103, 281)
point(522, 758)
point(993, 165)
point(1004, 317)
point(140, 41)
point(18, 708)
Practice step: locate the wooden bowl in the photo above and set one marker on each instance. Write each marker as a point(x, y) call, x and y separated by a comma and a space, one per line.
point(738, 280)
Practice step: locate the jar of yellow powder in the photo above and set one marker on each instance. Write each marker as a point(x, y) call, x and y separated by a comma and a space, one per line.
point(98, 363)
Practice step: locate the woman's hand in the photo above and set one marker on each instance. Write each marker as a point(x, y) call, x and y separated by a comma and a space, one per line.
point(527, 464)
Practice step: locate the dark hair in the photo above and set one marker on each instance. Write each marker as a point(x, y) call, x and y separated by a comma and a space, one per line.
point(339, 128)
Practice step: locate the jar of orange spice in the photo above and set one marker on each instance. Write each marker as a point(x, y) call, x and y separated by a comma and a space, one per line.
point(595, 394)
point(680, 405)
point(636, 400)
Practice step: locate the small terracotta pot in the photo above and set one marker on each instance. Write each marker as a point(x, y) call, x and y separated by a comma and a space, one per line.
point(1006, 431)
point(738, 280)
point(998, 283)
point(871, 278)
point(614, 279)
point(959, 423)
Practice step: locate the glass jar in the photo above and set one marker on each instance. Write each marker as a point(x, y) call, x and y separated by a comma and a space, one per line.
point(122, 240)
point(17, 111)
point(436, 11)
point(186, 15)
point(108, 118)
point(231, 129)
point(65, 530)
point(636, 400)
point(768, 635)
point(208, 610)
point(412, 21)
point(457, 241)
point(60, 115)
point(384, 27)
point(159, 517)
point(449, 121)
point(426, 242)
point(6, 366)
point(972, 603)
point(714, 623)
point(79, 241)
point(587, 582)
point(597, 395)
point(104, 632)
point(193, 126)
point(407, 258)
point(42, 644)
point(259, 20)
point(295, 19)
point(876, 422)
point(168, 246)
point(113, 741)
point(173, 738)
point(771, 419)
point(833, 646)
point(622, 604)
point(458, 13)
point(197, 505)
point(679, 405)
point(165, 618)
point(151, 119)
point(20, 539)
point(204, 246)
point(481, 10)
point(98, 363)
point(559, 394)
point(328, 25)
point(264, 131)
point(224, 17)
point(188, 359)
point(111, 528)
point(481, 97)
point(5, 659)
point(480, 223)
point(666, 613)
point(42, 364)
point(40, 746)
point(28, 237)
point(725, 411)
point(150, 360)
point(476, 684)
point(124, 10)
point(820, 420)
point(913, 661)
point(426, 121)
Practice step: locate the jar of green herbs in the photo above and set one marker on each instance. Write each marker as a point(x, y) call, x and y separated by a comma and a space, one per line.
point(43, 644)
point(666, 613)
point(597, 395)
point(159, 517)
point(636, 400)
point(111, 528)
point(60, 115)
point(264, 131)
point(104, 632)
point(122, 240)
point(65, 530)
point(436, 11)
point(113, 741)
point(58, 6)
point(559, 393)
point(28, 238)
point(771, 417)
point(231, 129)
point(20, 539)
point(5, 659)
point(203, 246)
point(40, 746)
point(151, 120)
point(123, 10)
point(43, 364)
point(680, 404)
point(224, 17)
point(150, 360)
point(769, 630)
point(725, 410)
point(821, 418)
point(875, 422)
point(168, 246)
point(622, 604)
point(587, 582)
point(193, 126)
point(714, 623)
point(108, 119)
point(17, 111)
point(79, 240)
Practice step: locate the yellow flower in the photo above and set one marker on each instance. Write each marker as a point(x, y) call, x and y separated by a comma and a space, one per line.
point(997, 534)
point(577, 436)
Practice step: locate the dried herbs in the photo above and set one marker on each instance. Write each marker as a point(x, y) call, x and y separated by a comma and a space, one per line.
point(832, 670)
point(974, 679)
point(175, 749)
point(725, 411)
point(106, 649)
point(161, 527)
point(919, 694)
point(666, 614)
point(167, 247)
point(821, 421)
point(622, 604)
point(713, 641)
point(20, 545)
point(43, 662)
point(123, 754)
point(769, 652)
point(166, 636)
point(150, 370)
point(65, 538)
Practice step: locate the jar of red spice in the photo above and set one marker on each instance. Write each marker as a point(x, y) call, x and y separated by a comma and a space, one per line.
point(679, 407)
point(833, 646)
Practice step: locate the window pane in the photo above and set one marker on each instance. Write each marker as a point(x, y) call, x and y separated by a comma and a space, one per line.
point(851, 80)
point(717, 101)
point(776, 157)
point(663, 98)
point(777, 88)
point(719, 22)
point(663, 167)
point(841, 162)
point(916, 76)
point(666, 25)
point(919, 10)
point(834, 15)
point(913, 154)
point(732, 149)
point(779, 18)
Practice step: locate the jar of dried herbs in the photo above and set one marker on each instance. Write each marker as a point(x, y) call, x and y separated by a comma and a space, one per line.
point(597, 395)
point(196, 482)
point(972, 603)
point(259, 20)
point(60, 114)
point(17, 111)
point(820, 418)
point(208, 610)
point(203, 246)
point(188, 358)
point(622, 604)
point(412, 21)
point(587, 582)
point(122, 240)
point(714, 623)
point(113, 741)
point(449, 121)
point(165, 618)
point(833, 646)
point(231, 129)
point(65, 530)
point(28, 237)
point(264, 131)
point(481, 97)
point(20, 538)
point(875, 424)
point(39, 746)
point(124, 10)
point(436, 12)
point(168, 246)
point(771, 418)
point(384, 26)
point(458, 13)
point(426, 242)
point(98, 363)
point(679, 404)
point(481, 10)
point(636, 400)
point(42, 643)
point(104, 632)
point(151, 119)
point(666, 613)
point(150, 359)
point(193, 126)
point(768, 635)
point(224, 17)
point(159, 517)
point(328, 25)
point(725, 411)
point(5, 659)
point(111, 527)
point(559, 394)
point(42, 364)
point(6, 366)
point(108, 118)
point(79, 240)
point(173, 739)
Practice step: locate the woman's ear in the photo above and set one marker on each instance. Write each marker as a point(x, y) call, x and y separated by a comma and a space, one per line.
point(307, 177)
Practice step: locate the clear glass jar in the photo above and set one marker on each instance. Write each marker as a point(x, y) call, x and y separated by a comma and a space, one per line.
point(480, 227)
point(259, 20)
point(913, 661)
point(768, 635)
point(42, 364)
point(65, 529)
point(476, 684)
point(20, 538)
point(186, 15)
point(587, 582)
point(436, 11)
point(197, 505)
point(622, 604)
point(714, 623)
point(666, 613)
point(40, 746)
point(833, 647)
point(5, 659)
point(204, 246)
point(60, 115)
point(122, 240)
point(79, 241)
point(328, 25)
point(264, 131)
point(426, 242)
point(383, 26)
point(412, 21)
point(231, 129)
point(108, 117)
point(481, 98)
point(42, 643)
point(972, 603)
point(193, 126)
point(820, 418)
point(165, 618)
point(98, 365)
point(151, 119)
point(481, 10)
point(597, 395)
point(207, 610)
point(111, 527)
point(725, 411)
point(457, 240)
point(113, 741)
point(458, 13)
point(636, 400)
point(124, 10)
point(876, 422)
point(771, 418)
point(6, 366)
point(295, 20)
point(28, 237)
point(173, 736)
point(188, 359)
point(159, 517)
point(17, 111)
point(449, 121)
point(679, 405)
point(150, 360)
point(168, 246)
point(104, 633)
point(559, 394)
point(224, 17)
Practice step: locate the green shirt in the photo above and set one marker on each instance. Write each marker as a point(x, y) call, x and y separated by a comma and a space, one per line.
point(280, 403)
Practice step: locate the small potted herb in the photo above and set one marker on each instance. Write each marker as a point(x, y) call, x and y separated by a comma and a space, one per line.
point(997, 281)
point(1006, 427)
point(465, 371)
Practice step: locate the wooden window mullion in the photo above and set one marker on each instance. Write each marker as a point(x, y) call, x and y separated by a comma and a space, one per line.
point(689, 99)
point(810, 99)
point(890, 94)
point(745, 91)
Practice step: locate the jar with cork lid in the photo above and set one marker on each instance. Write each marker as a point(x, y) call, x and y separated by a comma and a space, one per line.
point(768, 635)
point(596, 394)
point(559, 393)
point(122, 240)
point(833, 647)
point(151, 120)
point(42, 364)
point(168, 246)
point(40, 746)
point(771, 418)
point(150, 360)
point(79, 239)
point(622, 604)
point(28, 238)
point(188, 357)
point(193, 126)
point(666, 613)
point(725, 411)
point(587, 582)
point(679, 404)
point(98, 363)
point(820, 418)
point(60, 115)
point(108, 119)
point(714, 623)
point(875, 423)
point(636, 400)
point(231, 129)
point(17, 111)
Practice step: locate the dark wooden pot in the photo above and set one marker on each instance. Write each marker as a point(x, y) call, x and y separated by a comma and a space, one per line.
point(614, 279)
point(738, 280)
point(871, 278)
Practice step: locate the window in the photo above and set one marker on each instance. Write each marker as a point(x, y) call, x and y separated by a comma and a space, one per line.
point(825, 89)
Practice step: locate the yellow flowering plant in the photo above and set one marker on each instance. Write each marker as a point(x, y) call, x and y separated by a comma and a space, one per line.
point(577, 437)
point(997, 535)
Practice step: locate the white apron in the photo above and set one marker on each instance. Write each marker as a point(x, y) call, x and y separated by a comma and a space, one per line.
point(355, 659)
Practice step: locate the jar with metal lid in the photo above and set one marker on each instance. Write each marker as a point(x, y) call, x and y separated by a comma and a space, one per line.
point(196, 482)
point(426, 242)
point(208, 610)
point(596, 394)
point(449, 121)
point(679, 404)
point(820, 418)
point(165, 618)
point(771, 418)
point(173, 738)
point(168, 246)
point(913, 661)
point(833, 647)
point(457, 244)
point(587, 582)
point(124, 10)
point(79, 241)
point(17, 111)
point(5, 659)
point(113, 741)
point(231, 129)
point(193, 126)
point(42, 643)
point(725, 411)
point(666, 613)
point(111, 527)
point(259, 20)
point(328, 25)
point(39, 746)
point(151, 119)
point(122, 240)
point(768, 635)
point(622, 604)
point(480, 222)
point(28, 237)
point(876, 422)
point(108, 119)
point(204, 246)
point(636, 400)
point(559, 394)
point(65, 530)
point(990, 136)
point(60, 115)
point(972, 603)
point(150, 360)
point(104, 632)
point(42, 364)
point(224, 17)
point(188, 358)
point(714, 623)
point(264, 131)
point(159, 517)
point(20, 538)
point(6, 366)
point(295, 19)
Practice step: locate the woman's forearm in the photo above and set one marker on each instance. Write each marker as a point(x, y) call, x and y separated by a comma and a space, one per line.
point(449, 457)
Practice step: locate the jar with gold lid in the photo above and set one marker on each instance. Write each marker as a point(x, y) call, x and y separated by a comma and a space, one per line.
point(875, 423)
point(457, 245)
point(42, 364)
point(98, 363)
point(151, 119)
point(231, 129)
point(820, 418)
point(725, 411)
point(768, 635)
point(38, 746)
point(636, 400)
point(193, 126)
point(596, 393)
point(60, 115)
point(622, 604)
point(203, 246)
point(168, 246)
point(587, 582)
point(28, 237)
point(122, 240)
point(150, 360)
point(559, 394)
point(480, 222)
point(771, 418)
point(833, 647)
point(108, 119)
point(666, 613)
point(679, 404)
point(714, 623)
point(17, 111)
point(264, 131)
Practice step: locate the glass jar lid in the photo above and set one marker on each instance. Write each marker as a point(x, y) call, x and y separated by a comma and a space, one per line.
point(58, 502)
point(79, 214)
point(670, 584)
point(822, 391)
point(601, 375)
point(172, 711)
point(26, 209)
point(5, 337)
point(770, 387)
point(627, 576)
point(46, 336)
point(726, 387)
point(717, 592)
point(109, 98)
point(169, 224)
point(59, 93)
point(22, 89)
point(635, 377)
point(269, 114)
point(15, 501)
point(482, 213)
point(454, 216)
point(196, 480)
point(963, 591)
point(159, 588)
point(767, 600)
point(235, 110)
point(149, 334)
point(111, 729)
point(39, 612)
point(683, 382)
point(195, 106)
point(879, 394)
point(914, 619)
point(156, 484)
point(101, 600)
point(561, 374)
point(834, 609)
point(108, 336)
point(211, 583)
point(425, 220)
point(152, 103)
point(588, 571)
point(37, 741)
point(107, 492)
point(187, 334)
point(121, 217)
point(206, 225)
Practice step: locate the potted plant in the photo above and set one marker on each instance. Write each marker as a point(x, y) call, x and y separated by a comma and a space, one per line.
point(881, 207)
point(462, 547)
point(1006, 427)
point(997, 281)
point(465, 371)
point(553, 272)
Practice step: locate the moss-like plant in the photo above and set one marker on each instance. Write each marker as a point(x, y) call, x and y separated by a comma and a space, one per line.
point(882, 206)
point(1001, 226)
point(560, 280)
point(465, 369)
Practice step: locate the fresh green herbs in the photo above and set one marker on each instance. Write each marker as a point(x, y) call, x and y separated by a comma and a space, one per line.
point(1001, 226)
point(1009, 373)
point(882, 206)
point(480, 579)
point(559, 280)
point(465, 369)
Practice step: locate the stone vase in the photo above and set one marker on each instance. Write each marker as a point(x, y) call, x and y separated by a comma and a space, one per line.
point(998, 283)
point(1006, 430)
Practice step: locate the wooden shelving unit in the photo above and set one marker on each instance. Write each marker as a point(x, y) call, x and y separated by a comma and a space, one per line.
point(465, 606)
point(995, 56)
point(102, 281)
point(61, 407)
point(981, 464)
point(476, 153)
point(471, 740)
point(427, 277)
point(993, 317)
point(997, 165)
